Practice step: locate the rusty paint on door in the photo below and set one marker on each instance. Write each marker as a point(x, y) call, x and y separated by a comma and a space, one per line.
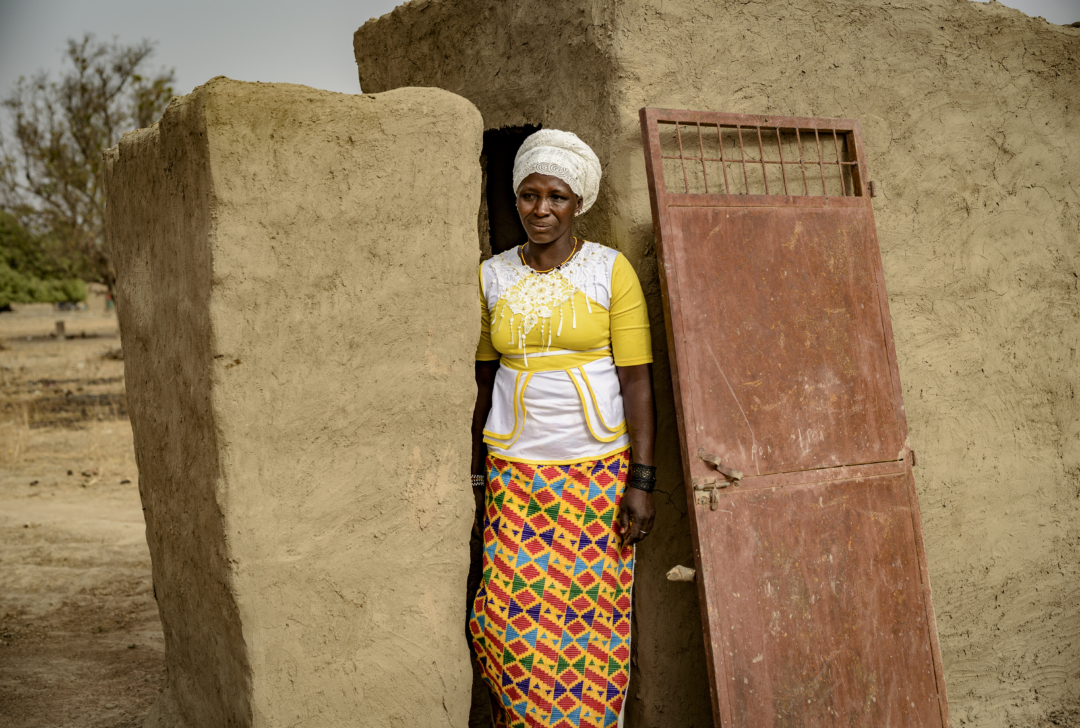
point(811, 567)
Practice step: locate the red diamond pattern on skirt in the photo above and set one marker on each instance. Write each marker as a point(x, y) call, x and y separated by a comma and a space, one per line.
point(550, 625)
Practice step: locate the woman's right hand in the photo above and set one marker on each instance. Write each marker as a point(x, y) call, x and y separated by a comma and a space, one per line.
point(636, 514)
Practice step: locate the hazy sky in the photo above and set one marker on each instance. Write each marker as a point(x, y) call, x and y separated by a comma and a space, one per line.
point(308, 42)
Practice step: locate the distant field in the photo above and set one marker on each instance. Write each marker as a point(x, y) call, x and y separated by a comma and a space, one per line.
point(80, 639)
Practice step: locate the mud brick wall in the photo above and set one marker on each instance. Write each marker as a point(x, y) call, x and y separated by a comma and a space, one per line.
point(297, 300)
point(970, 117)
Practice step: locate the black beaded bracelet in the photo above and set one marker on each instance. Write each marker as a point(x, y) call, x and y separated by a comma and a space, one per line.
point(478, 481)
point(642, 477)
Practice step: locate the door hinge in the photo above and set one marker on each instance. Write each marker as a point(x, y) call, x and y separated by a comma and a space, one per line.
point(714, 460)
point(872, 187)
point(712, 486)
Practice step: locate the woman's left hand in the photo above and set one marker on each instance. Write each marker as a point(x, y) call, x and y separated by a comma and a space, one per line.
point(636, 513)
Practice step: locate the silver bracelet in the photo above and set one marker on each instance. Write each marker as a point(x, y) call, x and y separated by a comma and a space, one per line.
point(478, 481)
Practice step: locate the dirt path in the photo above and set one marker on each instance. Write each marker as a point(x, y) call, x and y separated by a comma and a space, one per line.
point(80, 639)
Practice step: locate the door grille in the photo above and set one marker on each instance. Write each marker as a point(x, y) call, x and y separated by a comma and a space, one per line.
point(702, 157)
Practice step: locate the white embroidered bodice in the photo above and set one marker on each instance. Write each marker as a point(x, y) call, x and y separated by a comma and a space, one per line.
point(532, 297)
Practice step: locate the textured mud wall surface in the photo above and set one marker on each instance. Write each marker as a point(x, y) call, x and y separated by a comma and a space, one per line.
point(331, 350)
point(969, 118)
point(160, 227)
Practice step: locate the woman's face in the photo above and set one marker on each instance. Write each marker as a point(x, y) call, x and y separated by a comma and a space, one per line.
point(546, 206)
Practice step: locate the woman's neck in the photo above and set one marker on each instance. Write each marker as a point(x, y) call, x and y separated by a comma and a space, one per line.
point(543, 257)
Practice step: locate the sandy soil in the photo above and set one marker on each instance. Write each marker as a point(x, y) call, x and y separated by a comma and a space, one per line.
point(80, 639)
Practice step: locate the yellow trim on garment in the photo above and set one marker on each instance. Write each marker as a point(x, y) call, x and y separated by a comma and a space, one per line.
point(553, 362)
point(588, 420)
point(507, 436)
point(599, 414)
point(519, 399)
point(572, 461)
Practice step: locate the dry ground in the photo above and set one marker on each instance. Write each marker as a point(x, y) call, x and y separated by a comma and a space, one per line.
point(80, 639)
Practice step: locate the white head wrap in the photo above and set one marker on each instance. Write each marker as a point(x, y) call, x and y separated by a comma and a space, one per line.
point(560, 154)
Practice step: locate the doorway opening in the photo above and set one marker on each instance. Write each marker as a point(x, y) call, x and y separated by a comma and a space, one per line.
point(500, 147)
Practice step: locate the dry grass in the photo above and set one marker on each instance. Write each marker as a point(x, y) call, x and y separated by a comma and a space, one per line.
point(80, 638)
point(104, 448)
point(46, 381)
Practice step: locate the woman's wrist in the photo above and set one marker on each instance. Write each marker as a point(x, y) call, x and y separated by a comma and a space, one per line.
point(642, 477)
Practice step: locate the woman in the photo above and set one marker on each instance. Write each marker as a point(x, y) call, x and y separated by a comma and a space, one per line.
point(564, 397)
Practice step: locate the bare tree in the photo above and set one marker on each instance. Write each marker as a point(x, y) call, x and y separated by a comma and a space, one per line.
point(51, 168)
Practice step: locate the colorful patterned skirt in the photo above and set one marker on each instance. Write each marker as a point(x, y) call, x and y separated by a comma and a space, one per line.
point(550, 625)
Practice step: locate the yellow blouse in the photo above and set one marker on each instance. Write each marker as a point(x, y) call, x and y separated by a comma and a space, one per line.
point(559, 337)
point(583, 325)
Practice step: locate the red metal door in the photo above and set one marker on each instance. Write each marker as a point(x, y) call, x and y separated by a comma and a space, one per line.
point(811, 568)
